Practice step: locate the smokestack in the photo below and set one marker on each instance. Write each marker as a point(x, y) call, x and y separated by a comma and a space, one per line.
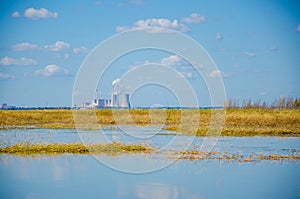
point(115, 93)
point(115, 100)
point(125, 101)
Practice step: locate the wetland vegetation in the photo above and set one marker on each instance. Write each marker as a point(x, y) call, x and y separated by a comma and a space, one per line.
point(118, 149)
point(74, 148)
point(238, 121)
point(202, 155)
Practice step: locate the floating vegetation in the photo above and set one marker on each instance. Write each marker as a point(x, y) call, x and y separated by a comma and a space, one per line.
point(201, 155)
point(74, 148)
point(118, 148)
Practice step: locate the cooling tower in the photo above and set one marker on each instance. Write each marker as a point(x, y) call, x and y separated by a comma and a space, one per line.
point(125, 101)
point(115, 100)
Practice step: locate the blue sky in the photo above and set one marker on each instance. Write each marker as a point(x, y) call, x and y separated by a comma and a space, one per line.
point(255, 45)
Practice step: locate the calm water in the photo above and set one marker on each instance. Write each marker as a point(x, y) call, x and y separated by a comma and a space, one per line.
point(83, 176)
point(265, 145)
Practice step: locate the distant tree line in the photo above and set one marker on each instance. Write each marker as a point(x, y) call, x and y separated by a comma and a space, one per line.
point(284, 102)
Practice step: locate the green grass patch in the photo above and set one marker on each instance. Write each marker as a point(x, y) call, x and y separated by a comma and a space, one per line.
point(74, 148)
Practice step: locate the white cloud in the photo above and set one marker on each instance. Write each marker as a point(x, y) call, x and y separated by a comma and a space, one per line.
point(27, 61)
point(7, 61)
point(51, 70)
point(58, 46)
point(177, 61)
point(122, 28)
point(164, 23)
point(41, 13)
point(15, 14)
point(6, 76)
point(215, 73)
point(298, 28)
point(188, 75)
point(24, 46)
point(181, 66)
point(82, 49)
point(250, 54)
point(219, 36)
point(172, 60)
point(161, 23)
point(194, 19)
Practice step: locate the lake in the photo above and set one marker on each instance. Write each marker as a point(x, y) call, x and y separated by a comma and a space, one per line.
point(87, 176)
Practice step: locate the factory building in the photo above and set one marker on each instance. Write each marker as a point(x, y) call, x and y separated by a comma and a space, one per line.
point(107, 103)
point(118, 99)
point(99, 103)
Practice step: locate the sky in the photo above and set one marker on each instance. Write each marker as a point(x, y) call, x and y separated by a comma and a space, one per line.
point(254, 44)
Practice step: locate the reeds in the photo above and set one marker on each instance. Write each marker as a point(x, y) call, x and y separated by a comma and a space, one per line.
point(280, 103)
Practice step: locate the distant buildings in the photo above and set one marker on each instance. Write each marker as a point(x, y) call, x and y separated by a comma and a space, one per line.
point(117, 100)
point(5, 106)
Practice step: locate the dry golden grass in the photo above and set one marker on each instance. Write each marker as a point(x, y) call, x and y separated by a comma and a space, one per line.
point(238, 122)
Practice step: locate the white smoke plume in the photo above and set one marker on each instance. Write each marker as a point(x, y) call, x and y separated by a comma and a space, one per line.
point(116, 86)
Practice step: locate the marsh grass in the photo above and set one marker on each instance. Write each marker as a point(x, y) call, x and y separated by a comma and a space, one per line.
point(248, 122)
point(279, 103)
point(114, 149)
point(238, 122)
point(74, 148)
point(201, 155)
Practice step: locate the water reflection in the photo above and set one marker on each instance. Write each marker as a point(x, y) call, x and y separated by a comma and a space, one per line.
point(81, 176)
point(236, 145)
point(155, 190)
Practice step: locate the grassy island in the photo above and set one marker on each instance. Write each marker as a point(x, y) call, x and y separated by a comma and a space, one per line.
point(74, 148)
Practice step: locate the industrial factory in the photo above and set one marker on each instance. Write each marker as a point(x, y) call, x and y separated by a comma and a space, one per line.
point(118, 99)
